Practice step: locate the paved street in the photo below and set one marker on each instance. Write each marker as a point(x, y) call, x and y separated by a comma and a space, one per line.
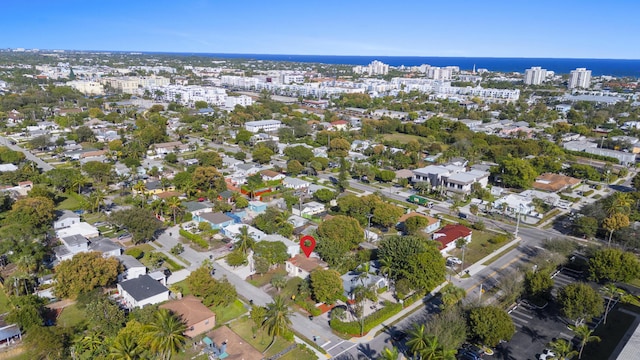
point(41, 164)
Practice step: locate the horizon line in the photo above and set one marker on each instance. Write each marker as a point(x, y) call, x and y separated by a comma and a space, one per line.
point(334, 55)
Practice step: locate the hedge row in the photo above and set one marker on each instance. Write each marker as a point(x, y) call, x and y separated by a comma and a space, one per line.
point(196, 239)
point(371, 321)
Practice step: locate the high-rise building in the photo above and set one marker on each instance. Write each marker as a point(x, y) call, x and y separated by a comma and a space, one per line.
point(535, 76)
point(580, 78)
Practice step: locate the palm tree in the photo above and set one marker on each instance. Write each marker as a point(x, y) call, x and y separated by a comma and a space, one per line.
point(166, 334)
point(386, 267)
point(389, 354)
point(585, 335)
point(433, 349)
point(96, 199)
point(563, 349)
point(277, 320)
point(618, 203)
point(244, 240)
point(79, 182)
point(418, 338)
point(610, 291)
point(126, 347)
point(140, 188)
point(175, 205)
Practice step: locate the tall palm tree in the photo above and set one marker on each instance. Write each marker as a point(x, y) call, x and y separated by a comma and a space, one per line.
point(277, 320)
point(96, 199)
point(563, 349)
point(126, 347)
point(79, 182)
point(166, 334)
point(175, 205)
point(389, 354)
point(244, 240)
point(610, 291)
point(140, 188)
point(585, 335)
point(386, 267)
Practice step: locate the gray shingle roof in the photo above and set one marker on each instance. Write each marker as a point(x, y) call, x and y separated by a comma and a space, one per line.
point(143, 287)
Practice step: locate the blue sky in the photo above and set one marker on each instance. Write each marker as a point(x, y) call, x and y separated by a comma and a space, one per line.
point(491, 28)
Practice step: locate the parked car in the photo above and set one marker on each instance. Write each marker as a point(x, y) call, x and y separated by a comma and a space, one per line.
point(547, 355)
point(454, 260)
point(124, 236)
point(399, 336)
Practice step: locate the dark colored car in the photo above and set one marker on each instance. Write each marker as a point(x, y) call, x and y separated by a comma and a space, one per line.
point(399, 336)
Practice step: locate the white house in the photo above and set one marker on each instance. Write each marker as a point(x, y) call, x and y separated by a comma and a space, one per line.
point(132, 268)
point(312, 208)
point(71, 245)
point(66, 219)
point(301, 265)
point(82, 228)
point(233, 231)
point(262, 125)
point(106, 247)
point(295, 183)
point(141, 291)
point(293, 248)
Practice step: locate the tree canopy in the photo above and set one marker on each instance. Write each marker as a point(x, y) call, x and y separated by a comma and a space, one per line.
point(141, 223)
point(491, 324)
point(326, 286)
point(85, 272)
point(613, 265)
point(580, 302)
point(337, 236)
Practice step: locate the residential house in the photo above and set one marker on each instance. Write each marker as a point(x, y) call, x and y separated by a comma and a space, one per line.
point(198, 207)
point(141, 291)
point(82, 228)
point(198, 318)
point(301, 265)
point(65, 219)
point(433, 223)
point(352, 279)
point(513, 204)
point(217, 220)
point(297, 221)
point(223, 343)
point(339, 125)
point(246, 169)
point(450, 234)
point(71, 245)
point(452, 178)
point(162, 149)
point(262, 125)
point(312, 208)
point(106, 247)
point(295, 183)
point(226, 196)
point(132, 268)
point(554, 182)
point(233, 231)
point(257, 206)
point(270, 175)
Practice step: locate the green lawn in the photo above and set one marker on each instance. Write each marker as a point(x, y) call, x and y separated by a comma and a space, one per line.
point(243, 327)
point(261, 280)
point(227, 313)
point(5, 303)
point(71, 201)
point(71, 316)
point(300, 352)
point(403, 138)
point(478, 248)
point(617, 325)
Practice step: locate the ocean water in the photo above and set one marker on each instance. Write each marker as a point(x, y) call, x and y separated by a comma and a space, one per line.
point(614, 67)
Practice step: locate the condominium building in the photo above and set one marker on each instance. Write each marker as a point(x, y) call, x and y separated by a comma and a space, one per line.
point(535, 76)
point(375, 68)
point(580, 78)
point(131, 84)
point(264, 125)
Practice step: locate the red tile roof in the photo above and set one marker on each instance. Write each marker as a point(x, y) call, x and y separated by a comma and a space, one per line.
point(450, 233)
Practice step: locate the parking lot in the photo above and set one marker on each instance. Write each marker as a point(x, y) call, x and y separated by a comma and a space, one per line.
point(536, 327)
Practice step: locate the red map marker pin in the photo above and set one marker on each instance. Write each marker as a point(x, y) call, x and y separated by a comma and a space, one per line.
point(307, 244)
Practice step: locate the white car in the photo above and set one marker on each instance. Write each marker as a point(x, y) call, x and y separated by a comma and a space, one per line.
point(454, 260)
point(547, 354)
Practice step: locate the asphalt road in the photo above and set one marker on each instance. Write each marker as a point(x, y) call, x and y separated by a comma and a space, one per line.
point(41, 164)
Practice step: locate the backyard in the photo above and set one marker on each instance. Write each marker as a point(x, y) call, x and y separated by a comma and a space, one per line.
point(245, 328)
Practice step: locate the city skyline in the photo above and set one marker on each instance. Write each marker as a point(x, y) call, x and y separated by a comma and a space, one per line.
point(373, 28)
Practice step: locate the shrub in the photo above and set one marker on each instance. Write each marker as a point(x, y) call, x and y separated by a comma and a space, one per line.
point(498, 239)
point(353, 327)
point(196, 239)
point(135, 252)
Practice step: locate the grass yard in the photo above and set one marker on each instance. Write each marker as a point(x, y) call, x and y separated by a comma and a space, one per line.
point(182, 287)
point(227, 313)
point(71, 201)
point(5, 303)
point(478, 248)
point(617, 325)
point(403, 138)
point(264, 279)
point(300, 352)
point(71, 316)
point(244, 328)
